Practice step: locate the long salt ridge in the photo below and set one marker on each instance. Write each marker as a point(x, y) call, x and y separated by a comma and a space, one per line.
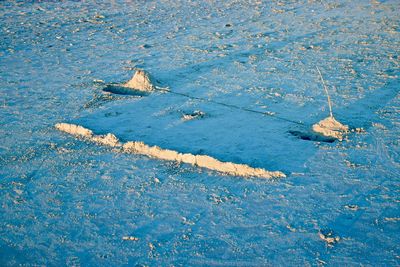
point(141, 148)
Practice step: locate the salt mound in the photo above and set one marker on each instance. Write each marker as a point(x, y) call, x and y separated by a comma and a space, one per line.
point(141, 148)
point(330, 127)
point(140, 81)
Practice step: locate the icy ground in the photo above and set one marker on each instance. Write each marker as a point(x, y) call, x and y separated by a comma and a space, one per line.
point(69, 202)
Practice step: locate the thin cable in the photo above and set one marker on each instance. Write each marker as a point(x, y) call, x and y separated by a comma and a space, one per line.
point(266, 113)
point(327, 94)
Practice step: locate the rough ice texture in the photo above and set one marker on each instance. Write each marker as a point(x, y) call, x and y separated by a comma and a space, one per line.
point(108, 140)
point(74, 129)
point(140, 81)
point(77, 130)
point(141, 148)
point(331, 127)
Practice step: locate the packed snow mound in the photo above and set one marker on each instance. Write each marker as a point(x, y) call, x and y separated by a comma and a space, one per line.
point(140, 81)
point(141, 148)
point(330, 127)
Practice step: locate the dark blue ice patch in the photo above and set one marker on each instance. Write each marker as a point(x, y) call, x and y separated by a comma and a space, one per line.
point(122, 90)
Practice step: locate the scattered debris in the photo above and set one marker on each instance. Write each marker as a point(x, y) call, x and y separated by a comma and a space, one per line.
point(197, 114)
point(290, 228)
point(151, 246)
point(329, 237)
point(352, 207)
point(379, 126)
point(130, 238)
point(358, 130)
point(321, 262)
point(392, 219)
point(351, 164)
point(187, 222)
point(98, 16)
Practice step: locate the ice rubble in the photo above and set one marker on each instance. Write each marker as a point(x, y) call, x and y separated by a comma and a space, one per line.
point(141, 148)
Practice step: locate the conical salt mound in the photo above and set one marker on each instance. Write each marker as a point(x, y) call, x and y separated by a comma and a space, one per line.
point(140, 81)
point(330, 127)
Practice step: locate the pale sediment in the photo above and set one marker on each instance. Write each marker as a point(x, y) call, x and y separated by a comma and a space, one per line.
point(331, 127)
point(141, 148)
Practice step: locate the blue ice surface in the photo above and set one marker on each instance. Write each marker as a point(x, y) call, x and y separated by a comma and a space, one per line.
point(65, 201)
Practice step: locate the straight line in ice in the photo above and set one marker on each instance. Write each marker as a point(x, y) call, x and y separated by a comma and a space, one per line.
point(266, 113)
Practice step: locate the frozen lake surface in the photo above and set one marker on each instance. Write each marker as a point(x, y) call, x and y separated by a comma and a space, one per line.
point(65, 201)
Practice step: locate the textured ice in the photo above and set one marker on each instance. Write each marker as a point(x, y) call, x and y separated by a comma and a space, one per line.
point(65, 201)
point(141, 148)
